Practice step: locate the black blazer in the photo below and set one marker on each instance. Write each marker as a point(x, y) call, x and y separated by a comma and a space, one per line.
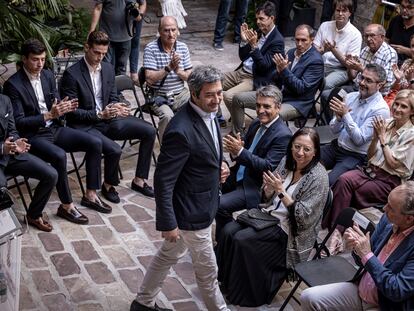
point(301, 83)
point(26, 109)
point(7, 129)
point(264, 69)
point(76, 83)
point(266, 156)
point(187, 176)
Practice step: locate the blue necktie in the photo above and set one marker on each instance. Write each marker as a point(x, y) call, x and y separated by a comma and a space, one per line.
point(242, 168)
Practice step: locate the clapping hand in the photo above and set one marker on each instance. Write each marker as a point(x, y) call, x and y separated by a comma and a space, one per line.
point(225, 172)
point(356, 240)
point(329, 46)
point(175, 61)
point(64, 106)
point(379, 127)
point(232, 144)
point(338, 107)
point(272, 182)
point(353, 62)
point(281, 62)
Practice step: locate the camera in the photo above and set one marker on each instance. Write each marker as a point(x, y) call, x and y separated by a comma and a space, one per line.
point(170, 98)
point(133, 9)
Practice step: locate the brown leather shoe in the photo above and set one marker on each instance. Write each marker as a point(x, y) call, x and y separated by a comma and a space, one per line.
point(40, 224)
point(98, 205)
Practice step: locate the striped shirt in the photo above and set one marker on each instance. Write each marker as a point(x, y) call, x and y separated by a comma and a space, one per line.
point(385, 56)
point(155, 58)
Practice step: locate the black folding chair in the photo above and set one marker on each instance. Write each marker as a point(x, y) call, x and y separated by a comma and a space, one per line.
point(331, 269)
point(17, 184)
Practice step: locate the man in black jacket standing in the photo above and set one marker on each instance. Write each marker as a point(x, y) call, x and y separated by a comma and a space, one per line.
point(187, 185)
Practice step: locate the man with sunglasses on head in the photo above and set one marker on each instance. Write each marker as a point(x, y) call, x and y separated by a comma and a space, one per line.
point(353, 123)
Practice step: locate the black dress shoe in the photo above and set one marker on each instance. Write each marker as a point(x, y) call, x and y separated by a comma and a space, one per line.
point(98, 205)
point(136, 306)
point(111, 195)
point(73, 215)
point(145, 190)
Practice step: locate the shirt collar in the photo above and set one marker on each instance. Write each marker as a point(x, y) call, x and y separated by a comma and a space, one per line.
point(268, 34)
point(296, 56)
point(162, 48)
point(407, 125)
point(343, 28)
point(406, 232)
point(207, 116)
point(31, 76)
point(372, 98)
point(90, 68)
point(267, 125)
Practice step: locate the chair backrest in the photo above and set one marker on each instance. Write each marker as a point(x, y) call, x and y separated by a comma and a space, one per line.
point(328, 204)
point(123, 83)
point(346, 219)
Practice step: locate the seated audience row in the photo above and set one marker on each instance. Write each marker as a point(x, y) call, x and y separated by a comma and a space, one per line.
point(88, 119)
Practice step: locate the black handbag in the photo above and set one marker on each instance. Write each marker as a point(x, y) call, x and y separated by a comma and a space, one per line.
point(257, 219)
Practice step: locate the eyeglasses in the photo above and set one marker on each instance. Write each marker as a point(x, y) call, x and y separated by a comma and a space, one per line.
point(406, 7)
point(298, 147)
point(371, 35)
point(368, 80)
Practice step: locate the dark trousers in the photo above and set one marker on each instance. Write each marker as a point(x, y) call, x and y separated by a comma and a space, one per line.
point(51, 145)
point(32, 167)
point(118, 54)
point(339, 160)
point(223, 16)
point(229, 202)
point(134, 54)
point(124, 129)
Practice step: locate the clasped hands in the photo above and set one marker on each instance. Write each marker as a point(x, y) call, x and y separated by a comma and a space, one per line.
point(248, 35)
point(356, 240)
point(11, 147)
point(59, 109)
point(174, 62)
point(116, 110)
point(272, 182)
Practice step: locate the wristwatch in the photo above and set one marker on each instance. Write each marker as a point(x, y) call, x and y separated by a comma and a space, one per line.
point(99, 115)
point(383, 145)
point(281, 195)
point(167, 69)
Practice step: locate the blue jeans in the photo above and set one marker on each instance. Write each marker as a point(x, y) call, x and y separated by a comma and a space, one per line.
point(134, 54)
point(223, 16)
point(118, 56)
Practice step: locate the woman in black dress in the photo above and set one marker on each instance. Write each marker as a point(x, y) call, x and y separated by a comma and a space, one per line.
point(253, 264)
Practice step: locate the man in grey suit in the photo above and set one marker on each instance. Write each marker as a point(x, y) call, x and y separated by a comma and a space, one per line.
point(187, 187)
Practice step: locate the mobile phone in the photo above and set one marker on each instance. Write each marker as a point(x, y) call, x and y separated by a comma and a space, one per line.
point(339, 94)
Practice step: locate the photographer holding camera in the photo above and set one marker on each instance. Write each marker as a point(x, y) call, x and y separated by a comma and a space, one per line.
point(115, 18)
point(167, 65)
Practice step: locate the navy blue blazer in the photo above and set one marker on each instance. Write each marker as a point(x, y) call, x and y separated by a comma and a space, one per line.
point(7, 129)
point(26, 109)
point(187, 176)
point(394, 279)
point(270, 149)
point(76, 83)
point(301, 83)
point(264, 68)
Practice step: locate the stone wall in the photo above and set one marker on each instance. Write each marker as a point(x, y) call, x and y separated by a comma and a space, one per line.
point(365, 11)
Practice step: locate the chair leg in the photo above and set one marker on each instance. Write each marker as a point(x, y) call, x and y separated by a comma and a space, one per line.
point(292, 292)
point(77, 173)
point(19, 190)
point(29, 190)
point(120, 172)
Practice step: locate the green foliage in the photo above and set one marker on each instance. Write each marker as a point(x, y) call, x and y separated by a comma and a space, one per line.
point(54, 22)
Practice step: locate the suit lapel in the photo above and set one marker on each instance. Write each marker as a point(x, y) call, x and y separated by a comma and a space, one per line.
point(86, 77)
point(48, 94)
point(269, 39)
point(201, 127)
point(29, 89)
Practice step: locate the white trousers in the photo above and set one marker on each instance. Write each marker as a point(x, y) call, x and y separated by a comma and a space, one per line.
point(334, 297)
point(200, 245)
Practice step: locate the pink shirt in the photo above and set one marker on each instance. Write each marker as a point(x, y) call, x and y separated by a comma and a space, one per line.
point(367, 288)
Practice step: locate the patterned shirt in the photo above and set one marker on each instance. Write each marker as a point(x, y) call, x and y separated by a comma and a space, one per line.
point(155, 58)
point(355, 127)
point(385, 56)
point(402, 148)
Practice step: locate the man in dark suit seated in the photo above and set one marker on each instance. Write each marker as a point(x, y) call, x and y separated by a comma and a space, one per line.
point(40, 116)
point(300, 73)
point(101, 114)
point(14, 161)
point(187, 186)
point(264, 146)
point(256, 51)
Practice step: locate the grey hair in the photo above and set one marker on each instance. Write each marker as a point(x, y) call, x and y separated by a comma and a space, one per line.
point(380, 71)
point(201, 75)
point(270, 91)
point(408, 205)
point(379, 28)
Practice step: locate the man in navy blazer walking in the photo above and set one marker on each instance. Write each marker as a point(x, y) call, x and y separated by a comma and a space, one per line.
point(187, 188)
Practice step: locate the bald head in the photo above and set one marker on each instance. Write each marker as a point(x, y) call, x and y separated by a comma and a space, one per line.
point(167, 20)
point(168, 30)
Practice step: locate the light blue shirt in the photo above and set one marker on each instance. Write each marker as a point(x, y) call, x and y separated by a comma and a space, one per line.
point(356, 127)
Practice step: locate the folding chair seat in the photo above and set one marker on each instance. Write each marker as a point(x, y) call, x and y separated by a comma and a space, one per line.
point(332, 269)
